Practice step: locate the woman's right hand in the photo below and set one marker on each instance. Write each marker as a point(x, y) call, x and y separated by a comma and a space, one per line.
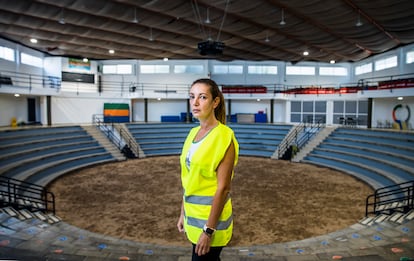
point(180, 223)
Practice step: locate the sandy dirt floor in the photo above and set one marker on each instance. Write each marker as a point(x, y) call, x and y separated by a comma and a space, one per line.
point(274, 201)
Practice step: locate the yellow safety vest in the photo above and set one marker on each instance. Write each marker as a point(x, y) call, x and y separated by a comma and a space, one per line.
point(200, 183)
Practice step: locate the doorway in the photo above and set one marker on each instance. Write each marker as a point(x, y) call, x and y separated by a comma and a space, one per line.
point(31, 110)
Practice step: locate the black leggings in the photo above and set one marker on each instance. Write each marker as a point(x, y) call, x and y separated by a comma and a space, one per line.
point(212, 255)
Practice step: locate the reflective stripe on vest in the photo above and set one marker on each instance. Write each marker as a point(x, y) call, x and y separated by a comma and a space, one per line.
point(221, 225)
point(202, 200)
point(206, 200)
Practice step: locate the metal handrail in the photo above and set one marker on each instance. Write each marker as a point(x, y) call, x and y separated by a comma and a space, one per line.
point(100, 123)
point(21, 194)
point(294, 137)
point(399, 197)
point(130, 141)
point(30, 80)
point(125, 137)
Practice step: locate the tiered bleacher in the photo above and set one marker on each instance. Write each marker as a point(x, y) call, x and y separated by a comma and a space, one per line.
point(160, 139)
point(261, 140)
point(38, 155)
point(379, 157)
point(157, 139)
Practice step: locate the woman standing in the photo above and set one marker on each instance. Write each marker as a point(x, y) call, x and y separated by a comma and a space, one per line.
point(208, 158)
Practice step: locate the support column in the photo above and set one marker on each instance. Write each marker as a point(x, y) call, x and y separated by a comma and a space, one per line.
point(228, 110)
point(187, 117)
point(369, 116)
point(146, 109)
point(272, 110)
point(49, 110)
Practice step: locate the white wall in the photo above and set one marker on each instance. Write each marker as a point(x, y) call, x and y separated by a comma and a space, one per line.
point(157, 108)
point(10, 107)
point(79, 110)
point(383, 110)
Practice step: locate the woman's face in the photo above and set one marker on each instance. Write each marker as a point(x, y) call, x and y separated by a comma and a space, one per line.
point(202, 102)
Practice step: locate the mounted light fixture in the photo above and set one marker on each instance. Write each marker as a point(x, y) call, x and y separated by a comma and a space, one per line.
point(267, 38)
point(359, 23)
point(150, 37)
point(135, 20)
point(332, 61)
point(33, 40)
point(111, 51)
point(282, 21)
point(208, 21)
point(305, 53)
point(62, 17)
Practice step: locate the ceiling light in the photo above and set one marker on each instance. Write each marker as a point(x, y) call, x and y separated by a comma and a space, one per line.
point(16, 95)
point(62, 18)
point(151, 38)
point(165, 59)
point(135, 20)
point(283, 22)
point(400, 98)
point(111, 51)
point(267, 38)
point(33, 40)
point(207, 21)
point(305, 53)
point(85, 60)
point(332, 61)
point(359, 23)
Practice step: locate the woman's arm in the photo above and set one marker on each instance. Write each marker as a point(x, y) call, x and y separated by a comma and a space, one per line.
point(224, 175)
point(180, 223)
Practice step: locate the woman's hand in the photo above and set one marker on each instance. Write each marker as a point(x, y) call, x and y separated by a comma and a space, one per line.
point(180, 223)
point(203, 244)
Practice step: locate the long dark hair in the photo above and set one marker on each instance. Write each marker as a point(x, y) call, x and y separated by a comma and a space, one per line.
point(220, 110)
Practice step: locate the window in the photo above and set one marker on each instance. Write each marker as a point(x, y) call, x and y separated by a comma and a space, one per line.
point(261, 69)
point(386, 63)
point(124, 68)
point(155, 69)
point(227, 69)
point(117, 69)
point(109, 69)
point(365, 68)
point(300, 70)
point(308, 111)
point(31, 60)
point(320, 107)
point(333, 71)
point(196, 69)
point(357, 111)
point(296, 106)
point(409, 57)
point(7, 53)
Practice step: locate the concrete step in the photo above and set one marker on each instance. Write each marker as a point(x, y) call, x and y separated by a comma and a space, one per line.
point(316, 140)
point(104, 141)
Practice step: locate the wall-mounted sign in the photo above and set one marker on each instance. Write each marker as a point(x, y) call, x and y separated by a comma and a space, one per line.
point(79, 64)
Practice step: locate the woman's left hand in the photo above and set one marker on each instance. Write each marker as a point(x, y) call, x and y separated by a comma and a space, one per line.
point(203, 245)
